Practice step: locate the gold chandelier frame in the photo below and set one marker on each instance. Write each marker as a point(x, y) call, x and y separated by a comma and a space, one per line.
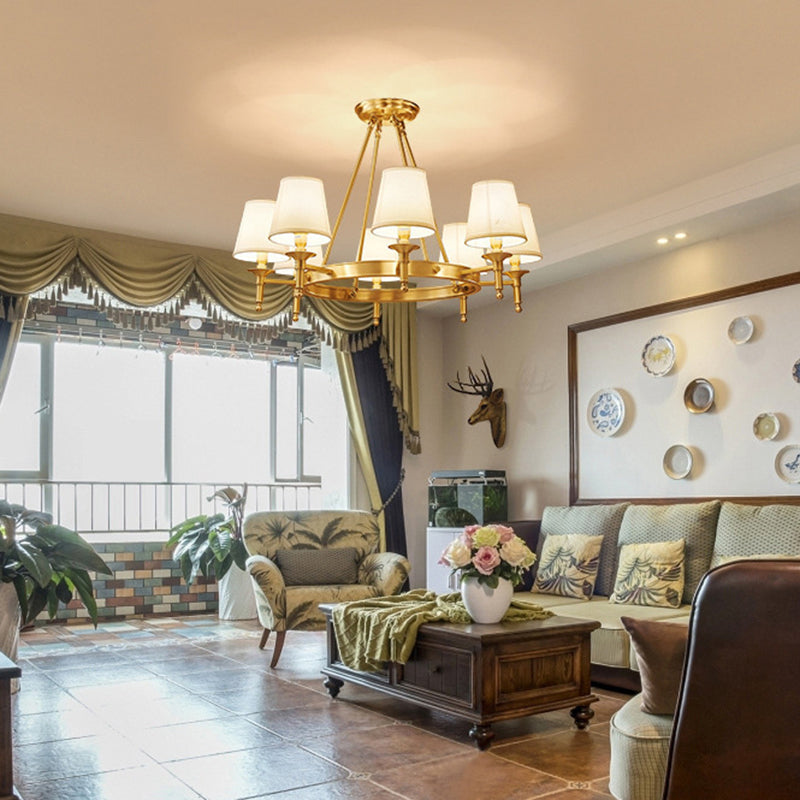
point(363, 281)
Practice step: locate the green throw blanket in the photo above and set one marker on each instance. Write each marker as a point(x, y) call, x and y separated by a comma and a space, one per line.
point(371, 632)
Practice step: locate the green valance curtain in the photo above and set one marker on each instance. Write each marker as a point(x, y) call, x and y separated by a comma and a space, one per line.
point(125, 274)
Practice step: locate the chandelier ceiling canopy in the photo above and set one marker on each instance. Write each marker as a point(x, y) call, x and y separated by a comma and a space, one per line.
point(285, 237)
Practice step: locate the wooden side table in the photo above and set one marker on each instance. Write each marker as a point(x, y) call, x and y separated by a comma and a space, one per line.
point(485, 673)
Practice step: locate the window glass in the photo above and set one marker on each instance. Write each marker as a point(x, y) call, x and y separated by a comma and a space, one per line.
point(325, 430)
point(286, 422)
point(220, 419)
point(108, 414)
point(19, 411)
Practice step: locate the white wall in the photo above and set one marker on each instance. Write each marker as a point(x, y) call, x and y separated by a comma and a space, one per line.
point(527, 355)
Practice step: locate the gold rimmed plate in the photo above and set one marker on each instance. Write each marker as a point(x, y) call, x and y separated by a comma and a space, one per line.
point(698, 396)
point(678, 462)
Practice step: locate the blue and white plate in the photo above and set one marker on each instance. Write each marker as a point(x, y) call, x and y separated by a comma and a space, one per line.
point(606, 412)
point(796, 370)
point(658, 356)
point(787, 463)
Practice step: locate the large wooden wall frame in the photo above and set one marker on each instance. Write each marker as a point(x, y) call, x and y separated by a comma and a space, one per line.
point(672, 307)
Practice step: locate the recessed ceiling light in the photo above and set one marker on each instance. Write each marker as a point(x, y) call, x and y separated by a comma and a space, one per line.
point(662, 240)
point(680, 235)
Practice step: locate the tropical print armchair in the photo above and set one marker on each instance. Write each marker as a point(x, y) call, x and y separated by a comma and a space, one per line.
point(299, 559)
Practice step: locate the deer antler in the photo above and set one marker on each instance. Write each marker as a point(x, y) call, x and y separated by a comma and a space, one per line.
point(476, 386)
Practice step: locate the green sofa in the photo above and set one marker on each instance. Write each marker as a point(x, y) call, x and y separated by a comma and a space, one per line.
point(713, 531)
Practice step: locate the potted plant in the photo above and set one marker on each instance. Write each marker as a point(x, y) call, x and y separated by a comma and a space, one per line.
point(39, 568)
point(212, 546)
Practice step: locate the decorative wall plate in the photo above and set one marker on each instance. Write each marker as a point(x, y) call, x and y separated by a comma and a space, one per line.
point(658, 356)
point(787, 463)
point(766, 426)
point(796, 370)
point(606, 412)
point(740, 330)
point(678, 462)
point(698, 396)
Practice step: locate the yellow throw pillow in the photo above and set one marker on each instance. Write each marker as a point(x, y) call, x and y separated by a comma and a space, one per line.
point(568, 565)
point(650, 574)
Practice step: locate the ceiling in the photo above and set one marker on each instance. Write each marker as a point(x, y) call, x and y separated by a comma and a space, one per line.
point(618, 120)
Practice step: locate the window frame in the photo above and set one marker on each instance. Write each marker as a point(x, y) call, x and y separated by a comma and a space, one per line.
point(47, 342)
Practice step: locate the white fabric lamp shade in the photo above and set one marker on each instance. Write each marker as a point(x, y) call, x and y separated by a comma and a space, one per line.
point(494, 215)
point(252, 241)
point(404, 202)
point(300, 210)
point(454, 236)
point(530, 251)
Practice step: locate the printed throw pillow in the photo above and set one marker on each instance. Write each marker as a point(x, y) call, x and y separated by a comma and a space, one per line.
point(660, 648)
point(568, 565)
point(650, 574)
point(327, 567)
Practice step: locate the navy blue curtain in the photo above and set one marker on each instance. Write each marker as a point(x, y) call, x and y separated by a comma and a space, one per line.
point(385, 441)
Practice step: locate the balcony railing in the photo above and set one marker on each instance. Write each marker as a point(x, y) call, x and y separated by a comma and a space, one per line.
point(92, 507)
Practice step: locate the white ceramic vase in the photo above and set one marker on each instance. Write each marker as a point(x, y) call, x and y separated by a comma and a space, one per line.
point(9, 625)
point(236, 597)
point(483, 603)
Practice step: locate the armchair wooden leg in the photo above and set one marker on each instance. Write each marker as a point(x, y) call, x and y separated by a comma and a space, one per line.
point(280, 636)
point(264, 637)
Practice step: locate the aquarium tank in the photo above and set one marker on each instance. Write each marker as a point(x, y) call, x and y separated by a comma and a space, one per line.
point(467, 497)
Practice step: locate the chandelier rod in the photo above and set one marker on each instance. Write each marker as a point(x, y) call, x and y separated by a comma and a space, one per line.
point(376, 144)
point(347, 194)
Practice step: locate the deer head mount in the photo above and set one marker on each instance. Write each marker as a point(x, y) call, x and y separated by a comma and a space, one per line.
point(492, 405)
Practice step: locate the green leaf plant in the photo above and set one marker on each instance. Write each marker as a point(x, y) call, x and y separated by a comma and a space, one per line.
point(210, 545)
point(47, 563)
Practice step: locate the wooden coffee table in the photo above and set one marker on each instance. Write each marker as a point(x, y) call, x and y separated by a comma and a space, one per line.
point(485, 673)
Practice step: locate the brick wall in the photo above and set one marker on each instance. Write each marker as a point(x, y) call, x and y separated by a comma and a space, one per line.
point(145, 581)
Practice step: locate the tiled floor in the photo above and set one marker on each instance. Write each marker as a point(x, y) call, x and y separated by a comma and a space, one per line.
point(187, 708)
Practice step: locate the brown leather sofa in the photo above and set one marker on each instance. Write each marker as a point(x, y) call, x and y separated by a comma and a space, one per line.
point(736, 732)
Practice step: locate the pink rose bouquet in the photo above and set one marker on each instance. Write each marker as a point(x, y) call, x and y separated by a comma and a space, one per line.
point(488, 553)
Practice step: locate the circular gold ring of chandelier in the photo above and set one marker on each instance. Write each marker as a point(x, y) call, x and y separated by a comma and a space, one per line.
point(387, 108)
point(337, 283)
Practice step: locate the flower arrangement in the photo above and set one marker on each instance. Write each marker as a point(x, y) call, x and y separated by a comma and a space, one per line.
point(488, 553)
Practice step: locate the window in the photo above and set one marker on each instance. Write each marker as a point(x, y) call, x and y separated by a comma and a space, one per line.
point(75, 412)
point(21, 414)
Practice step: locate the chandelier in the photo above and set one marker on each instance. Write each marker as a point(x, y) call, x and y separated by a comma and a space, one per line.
point(285, 237)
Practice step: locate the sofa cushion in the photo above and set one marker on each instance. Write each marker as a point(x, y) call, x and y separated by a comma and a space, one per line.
point(650, 574)
point(611, 645)
point(330, 566)
point(597, 520)
point(568, 565)
point(550, 600)
point(695, 523)
point(756, 532)
point(660, 649)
